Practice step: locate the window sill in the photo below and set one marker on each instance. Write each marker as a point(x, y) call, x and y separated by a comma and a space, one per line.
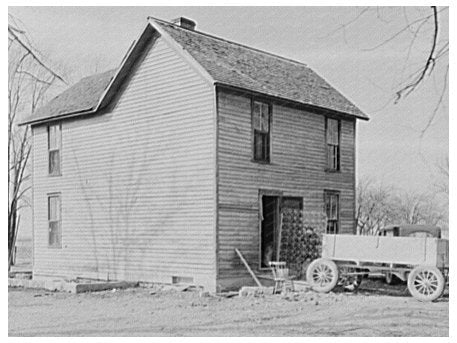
point(261, 162)
point(332, 171)
point(54, 247)
point(55, 175)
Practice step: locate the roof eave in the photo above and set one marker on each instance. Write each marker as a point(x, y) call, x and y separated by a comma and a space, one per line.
point(311, 106)
point(58, 117)
point(126, 64)
point(107, 93)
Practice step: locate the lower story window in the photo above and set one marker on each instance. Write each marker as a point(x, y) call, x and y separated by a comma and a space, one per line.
point(54, 221)
point(332, 209)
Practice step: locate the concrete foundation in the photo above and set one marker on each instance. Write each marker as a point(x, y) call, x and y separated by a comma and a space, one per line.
point(69, 286)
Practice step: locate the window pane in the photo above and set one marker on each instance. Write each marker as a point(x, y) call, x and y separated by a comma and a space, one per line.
point(331, 209)
point(54, 162)
point(54, 208)
point(54, 233)
point(51, 208)
point(261, 146)
point(265, 118)
point(332, 131)
point(334, 207)
point(261, 124)
point(266, 147)
point(58, 137)
point(51, 137)
point(332, 227)
point(332, 156)
point(327, 206)
point(258, 146)
point(257, 114)
point(54, 137)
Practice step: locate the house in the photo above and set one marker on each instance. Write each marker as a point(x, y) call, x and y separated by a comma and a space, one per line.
point(158, 170)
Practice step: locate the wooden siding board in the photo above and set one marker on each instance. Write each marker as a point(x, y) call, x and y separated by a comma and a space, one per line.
point(137, 184)
point(297, 168)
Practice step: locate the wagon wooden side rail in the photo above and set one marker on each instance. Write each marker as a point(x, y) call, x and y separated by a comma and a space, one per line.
point(422, 261)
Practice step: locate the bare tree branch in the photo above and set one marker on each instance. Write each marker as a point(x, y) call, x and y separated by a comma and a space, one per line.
point(345, 25)
point(438, 105)
point(35, 77)
point(28, 81)
point(38, 60)
point(429, 64)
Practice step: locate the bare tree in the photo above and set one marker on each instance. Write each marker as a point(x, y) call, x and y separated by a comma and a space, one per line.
point(378, 206)
point(415, 208)
point(29, 79)
point(419, 24)
point(442, 182)
point(375, 207)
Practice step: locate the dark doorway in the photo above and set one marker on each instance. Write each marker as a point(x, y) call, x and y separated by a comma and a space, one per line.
point(272, 206)
point(269, 229)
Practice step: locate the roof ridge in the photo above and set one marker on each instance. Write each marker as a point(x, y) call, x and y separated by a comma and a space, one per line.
point(232, 42)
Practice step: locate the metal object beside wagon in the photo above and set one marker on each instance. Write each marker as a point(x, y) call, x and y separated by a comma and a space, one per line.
point(423, 261)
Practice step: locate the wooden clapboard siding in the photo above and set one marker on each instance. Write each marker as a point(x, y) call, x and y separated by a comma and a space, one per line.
point(138, 182)
point(297, 168)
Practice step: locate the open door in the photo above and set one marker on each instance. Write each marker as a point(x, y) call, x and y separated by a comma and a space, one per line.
point(269, 229)
point(270, 225)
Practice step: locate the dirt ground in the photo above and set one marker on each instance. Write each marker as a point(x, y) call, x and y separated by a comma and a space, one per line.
point(373, 311)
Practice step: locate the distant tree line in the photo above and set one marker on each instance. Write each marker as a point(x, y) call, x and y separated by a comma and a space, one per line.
point(379, 205)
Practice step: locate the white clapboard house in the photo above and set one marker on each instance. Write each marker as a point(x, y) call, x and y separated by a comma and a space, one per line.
point(156, 171)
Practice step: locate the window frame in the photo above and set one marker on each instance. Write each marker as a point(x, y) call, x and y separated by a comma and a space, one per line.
point(330, 168)
point(329, 194)
point(57, 149)
point(255, 131)
point(58, 220)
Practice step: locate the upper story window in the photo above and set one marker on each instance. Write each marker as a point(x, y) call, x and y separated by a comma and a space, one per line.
point(333, 128)
point(261, 122)
point(54, 148)
point(54, 221)
point(332, 209)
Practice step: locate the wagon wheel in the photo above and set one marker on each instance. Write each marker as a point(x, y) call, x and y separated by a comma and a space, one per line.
point(350, 282)
point(426, 283)
point(322, 274)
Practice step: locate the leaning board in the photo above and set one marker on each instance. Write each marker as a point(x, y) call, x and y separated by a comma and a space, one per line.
point(382, 249)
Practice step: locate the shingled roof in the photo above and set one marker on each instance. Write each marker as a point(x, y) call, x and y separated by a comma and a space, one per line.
point(240, 66)
point(227, 63)
point(82, 96)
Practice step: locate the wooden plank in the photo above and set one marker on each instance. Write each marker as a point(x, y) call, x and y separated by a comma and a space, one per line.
point(138, 182)
point(297, 169)
point(248, 268)
point(381, 249)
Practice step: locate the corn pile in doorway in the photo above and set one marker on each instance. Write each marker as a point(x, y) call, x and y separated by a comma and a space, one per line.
point(300, 242)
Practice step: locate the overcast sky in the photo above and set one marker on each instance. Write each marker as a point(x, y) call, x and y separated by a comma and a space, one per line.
point(390, 148)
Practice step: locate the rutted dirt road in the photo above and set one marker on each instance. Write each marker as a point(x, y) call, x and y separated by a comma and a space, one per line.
point(137, 312)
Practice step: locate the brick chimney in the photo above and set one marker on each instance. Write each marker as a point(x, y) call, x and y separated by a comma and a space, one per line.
point(185, 23)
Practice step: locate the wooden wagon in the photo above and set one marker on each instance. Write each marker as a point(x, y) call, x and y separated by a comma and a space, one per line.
point(422, 261)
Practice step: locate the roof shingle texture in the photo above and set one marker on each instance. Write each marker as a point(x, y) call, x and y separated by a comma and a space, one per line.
point(243, 67)
point(82, 96)
point(227, 63)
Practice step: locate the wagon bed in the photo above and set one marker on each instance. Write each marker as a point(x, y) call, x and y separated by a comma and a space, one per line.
point(423, 261)
point(387, 250)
